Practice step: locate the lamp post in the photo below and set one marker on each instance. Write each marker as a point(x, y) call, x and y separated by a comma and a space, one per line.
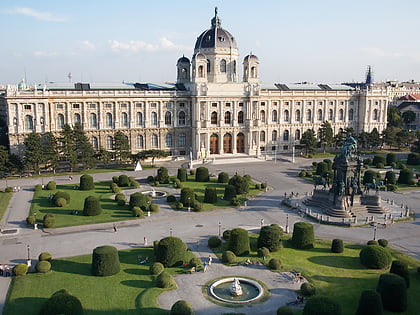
point(189, 204)
point(293, 152)
point(262, 222)
point(35, 227)
point(170, 232)
point(287, 223)
point(28, 261)
point(374, 231)
point(220, 229)
point(275, 153)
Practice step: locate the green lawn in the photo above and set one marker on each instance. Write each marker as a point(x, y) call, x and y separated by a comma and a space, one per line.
point(339, 276)
point(127, 292)
point(4, 202)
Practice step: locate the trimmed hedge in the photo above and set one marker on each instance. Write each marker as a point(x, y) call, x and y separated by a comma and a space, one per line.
point(274, 264)
point(263, 252)
point(45, 256)
point(61, 202)
point(270, 238)
point(120, 199)
point(223, 178)
point(390, 178)
point(181, 307)
point(375, 257)
point(195, 262)
point(406, 176)
point(401, 268)
point(140, 200)
point(240, 183)
point(413, 158)
point(153, 208)
point(105, 261)
point(230, 192)
point(369, 303)
point(307, 289)
point(372, 242)
point(156, 268)
point(61, 194)
point(62, 302)
point(284, 310)
point(187, 196)
point(51, 185)
point(137, 212)
point(393, 291)
point(20, 269)
point(165, 281)
point(43, 266)
point(303, 235)
point(210, 195)
point(239, 242)
point(38, 187)
point(226, 234)
point(171, 251)
point(337, 246)
point(115, 189)
point(123, 181)
point(86, 182)
point(202, 174)
point(31, 220)
point(182, 175)
point(321, 305)
point(162, 175)
point(228, 257)
point(383, 242)
point(49, 220)
point(214, 242)
point(92, 206)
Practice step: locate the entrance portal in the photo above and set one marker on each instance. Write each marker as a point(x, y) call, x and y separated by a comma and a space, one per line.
point(227, 143)
point(240, 143)
point(214, 144)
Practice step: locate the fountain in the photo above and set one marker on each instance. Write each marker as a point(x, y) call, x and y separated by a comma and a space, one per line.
point(236, 290)
point(154, 193)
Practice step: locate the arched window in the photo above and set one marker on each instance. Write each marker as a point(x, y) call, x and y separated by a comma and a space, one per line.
point(60, 120)
point(93, 120)
point(227, 117)
point(223, 65)
point(262, 116)
point(208, 66)
point(168, 118)
point(94, 143)
point(330, 114)
point(241, 117)
point(297, 115)
point(262, 136)
point(308, 115)
point(297, 134)
point(109, 122)
point(124, 119)
point(274, 135)
point(351, 114)
point(234, 66)
point(286, 115)
point(181, 118)
point(139, 142)
point(77, 119)
point(29, 122)
point(154, 141)
point(168, 140)
point(340, 114)
point(200, 72)
point(182, 140)
point(253, 72)
point(153, 119)
point(320, 114)
point(286, 135)
point(375, 114)
point(274, 116)
point(139, 118)
point(109, 143)
point(213, 118)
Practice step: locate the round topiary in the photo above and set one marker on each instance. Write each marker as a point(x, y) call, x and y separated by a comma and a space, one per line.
point(369, 303)
point(51, 185)
point(240, 183)
point(31, 220)
point(202, 174)
point(405, 176)
point(182, 175)
point(92, 206)
point(258, 186)
point(413, 158)
point(61, 202)
point(210, 195)
point(401, 268)
point(302, 173)
point(230, 192)
point(321, 305)
point(123, 181)
point(105, 261)
point(156, 268)
point(181, 307)
point(187, 196)
point(61, 194)
point(20, 269)
point(235, 202)
point(45, 256)
point(139, 200)
point(393, 291)
point(197, 206)
point(270, 237)
point(284, 310)
point(228, 257)
point(179, 205)
point(114, 187)
point(390, 178)
point(115, 179)
point(154, 208)
point(43, 266)
point(162, 175)
point(383, 242)
point(137, 212)
point(61, 302)
point(337, 246)
point(150, 179)
point(170, 198)
point(239, 242)
point(165, 281)
point(307, 289)
point(263, 252)
point(195, 262)
point(49, 220)
point(303, 235)
point(119, 197)
point(223, 178)
point(372, 242)
point(214, 242)
point(86, 182)
point(171, 251)
point(226, 234)
point(38, 187)
point(274, 264)
point(375, 257)
point(178, 184)
point(8, 189)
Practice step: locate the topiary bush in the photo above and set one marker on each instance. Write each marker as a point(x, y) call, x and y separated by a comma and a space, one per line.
point(391, 158)
point(137, 212)
point(284, 310)
point(240, 183)
point(51, 185)
point(370, 303)
point(239, 242)
point(61, 202)
point(182, 175)
point(383, 242)
point(181, 307)
point(187, 196)
point(61, 194)
point(303, 235)
point(92, 206)
point(115, 179)
point(43, 266)
point(123, 181)
point(178, 184)
point(302, 173)
point(86, 182)
point(154, 208)
point(179, 205)
point(105, 261)
point(20, 269)
point(413, 158)
point(406, 175)
point(223, 178)
point(258, 186)
point(8, 189)
point(390, 178)
point(49, 220)
point(162, 175)
point(337, 246)
point(197, 206)
point(321, 305)
point(372, 242)
point(45, 256)
point(307, 289)
point(375, 257)
point(214, 242)
point(140, 200)
point(379, 159)
point(228, 257)
point(31, 220)
point(393, 291)
point(210, 195)
point(38, 187)
point(401, 268)
point(195, 262)
point(170, 198)
point(263, 252)
point(202, 174)
point(230, 192)
point(150, 179)
point(235, 202)
point(165, 281)
point(171, 251)
point(115, 189)
point(270, 238)
point(156, 268)
point(226, 234)
point(274, 264)
point(120, 199)
point(62, 302)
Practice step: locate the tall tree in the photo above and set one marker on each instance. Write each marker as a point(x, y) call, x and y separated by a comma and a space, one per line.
point(121, 146)
point(152, 153)
point(68, 148)
point(405, 138)
point(4, 159)
point(309, 140)
point(364, 139)
point(390, 136)
point(84, 149)
point(374, 138)
point(408, 117)
point(326, 134)
point(416, 144)
point(103, 156)
point(34, 154)
point(394, 117)
point(339, 138)
point(51, 152)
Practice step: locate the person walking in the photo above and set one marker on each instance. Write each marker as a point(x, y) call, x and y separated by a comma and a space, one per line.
point(210, 260)
point(7, 270)
point(145, 241)
point(1, 270)
point(115, 228)
point(204, 267)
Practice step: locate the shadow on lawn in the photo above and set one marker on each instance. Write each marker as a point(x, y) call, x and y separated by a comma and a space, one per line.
point(343, 262)
point(25, 305)
point(73, 267)
point(136, 283)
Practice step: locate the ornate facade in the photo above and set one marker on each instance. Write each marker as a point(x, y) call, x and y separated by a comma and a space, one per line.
point(209, 110)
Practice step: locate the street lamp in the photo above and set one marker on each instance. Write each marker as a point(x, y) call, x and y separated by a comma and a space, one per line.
point(374, 231)
point(262, 222)
point(170, 232)
point(189, 204)
point(220, 229)
point(287, 223)
point(35, 221)
point(28, 262)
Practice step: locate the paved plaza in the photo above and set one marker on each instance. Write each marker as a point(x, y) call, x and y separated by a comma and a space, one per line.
point(281, 176)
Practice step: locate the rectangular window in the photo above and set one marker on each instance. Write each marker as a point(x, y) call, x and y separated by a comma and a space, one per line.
point(275, 103)
point(286, 103)
point(181, 104)
point(76, 105)
point(273, 148)
point(320, 103)
point(59, 106)
point(181, 152)
point(138, 104)
point(241, 104)
point(92, 105)
point(108, 105)
point(341, 103)
point(153, 104)
point(309, 103)
point(351, 103)
point(168, 104)
point(227, 104)
point(27, 106)
point(262, 103)
point(331, 103)
point(285, 147)
point(297, 103)
point(123, 105)
point(213, 104)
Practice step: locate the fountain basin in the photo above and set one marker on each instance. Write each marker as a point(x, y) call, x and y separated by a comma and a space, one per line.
point(251, 290)
point(154, 193)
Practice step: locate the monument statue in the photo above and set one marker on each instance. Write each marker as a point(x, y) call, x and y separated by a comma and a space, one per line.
point(349, 148)
point(236, 289)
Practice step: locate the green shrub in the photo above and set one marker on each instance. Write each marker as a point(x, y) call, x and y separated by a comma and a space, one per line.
point(115, 189)
point(181, 307)
point(367, 161)
point(171, 251)
point(49, 220)
point(123, 181)
point(8, 189)
point(154, 208)
point(228, 257)
point(391, 187)
point(303, 235)
point(383, 242)
point(369, 176)
point(51, 185)
point(401, 268)
point(321, 168)
point(92, 206)
point(162, 175)
point(140, 200)
point(372, 242)
point(258, 186)
point(226, 234)
point(214, 242)
point(413, 158)
point(274, 264)
point(263, 252)
point(165, 281)
point(321, 305)
point(170, 198)
point(20, 269)
point(135, 184)
point(178, 184)
point(45, 256)
point(390, 178)
point(379, 159)
point(235, 202)
point(179, 205)
point(202, 174)
point(270, 238)
point(187, 196)
point(43, 266)
point(230, 192)
point(137, 212)
point(195, 262)
point(157, 183)
point(61, 302)
point(337, 246)
point(105, 261)
point(240, 183)
point(370, 303)
point(307, 289)
point(223, 178)
point(380, 165)
point(239, 242)
point(150, 179)
point(61, 194)
point(264, 185)
point(284, 310)
point(38, 187)
point(393, 291)
point(192, 172)
point(86, 182)
point(182, 175)
point(375, 257)
point(115, 179)
point(391, 158)
point(411, 182)
point(31, 220)
point(302, 173)
point(119, 197)
point(156, 268)
point(61, 202)
point(405, 176)
point(210, 195)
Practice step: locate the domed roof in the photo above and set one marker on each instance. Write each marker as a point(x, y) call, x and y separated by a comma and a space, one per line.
point(250, 57)
point(183, 59)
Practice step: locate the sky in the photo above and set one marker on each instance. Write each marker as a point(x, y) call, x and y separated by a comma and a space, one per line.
point(320, 41)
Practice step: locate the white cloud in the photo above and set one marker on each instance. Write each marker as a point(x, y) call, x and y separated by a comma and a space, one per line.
point(87, 44)
point(43, 16)
point(136, 45)
point(45, 53)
